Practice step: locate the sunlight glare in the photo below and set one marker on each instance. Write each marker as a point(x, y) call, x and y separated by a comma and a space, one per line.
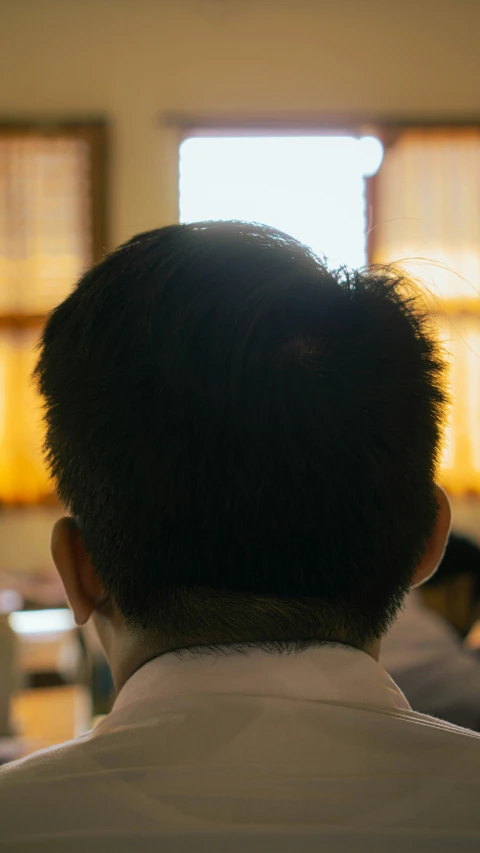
point(311, 187)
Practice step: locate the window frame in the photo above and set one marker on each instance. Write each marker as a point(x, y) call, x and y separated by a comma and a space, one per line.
point(94, 133)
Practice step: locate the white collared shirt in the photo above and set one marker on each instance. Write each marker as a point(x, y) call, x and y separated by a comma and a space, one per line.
point(427, 659)
point(265, 753)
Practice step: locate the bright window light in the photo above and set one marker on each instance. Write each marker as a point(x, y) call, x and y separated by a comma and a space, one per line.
point(41, 621)
point(311, 187)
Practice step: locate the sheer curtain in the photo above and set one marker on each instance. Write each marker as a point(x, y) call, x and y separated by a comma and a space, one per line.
point(426, 217)
point(45, 243)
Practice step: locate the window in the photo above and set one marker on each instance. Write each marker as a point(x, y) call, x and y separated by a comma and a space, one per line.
point(312, 187)
point(426, 205)
point(418, 206)
point(51, 229)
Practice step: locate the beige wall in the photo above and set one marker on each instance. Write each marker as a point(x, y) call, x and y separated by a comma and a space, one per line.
point(25, 540)
point(132, 61)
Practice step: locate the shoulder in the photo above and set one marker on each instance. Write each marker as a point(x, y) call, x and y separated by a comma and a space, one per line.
point(433, 730)
point(42, 763)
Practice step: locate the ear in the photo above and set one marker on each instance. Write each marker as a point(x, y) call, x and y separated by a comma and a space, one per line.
point(82, 586)
point(437, 542)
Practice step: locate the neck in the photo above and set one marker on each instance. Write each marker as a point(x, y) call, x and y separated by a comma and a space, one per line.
point(127, 651)
point(374, 650)
point(128, 655)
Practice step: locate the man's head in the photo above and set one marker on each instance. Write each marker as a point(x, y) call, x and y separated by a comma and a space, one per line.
point(246, 441)
point(454, 590)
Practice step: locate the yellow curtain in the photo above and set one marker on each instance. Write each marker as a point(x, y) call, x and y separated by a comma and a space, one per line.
point(426, 217)
point(45, 243)
point(22, 472)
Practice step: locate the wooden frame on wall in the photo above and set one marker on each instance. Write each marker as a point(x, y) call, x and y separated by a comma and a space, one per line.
point(94, 134)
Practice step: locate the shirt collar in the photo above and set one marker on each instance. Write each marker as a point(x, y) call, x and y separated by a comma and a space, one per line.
point(334, 674)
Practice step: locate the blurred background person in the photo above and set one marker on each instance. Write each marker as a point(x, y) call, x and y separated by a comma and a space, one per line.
point(11, 747)
point(8, 674)
point(425, 651)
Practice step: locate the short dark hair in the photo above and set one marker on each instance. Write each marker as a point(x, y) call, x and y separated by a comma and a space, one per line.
point(461, 557)
point(247, 440)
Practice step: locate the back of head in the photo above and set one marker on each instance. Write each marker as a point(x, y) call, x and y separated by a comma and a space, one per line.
point(247, 440)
